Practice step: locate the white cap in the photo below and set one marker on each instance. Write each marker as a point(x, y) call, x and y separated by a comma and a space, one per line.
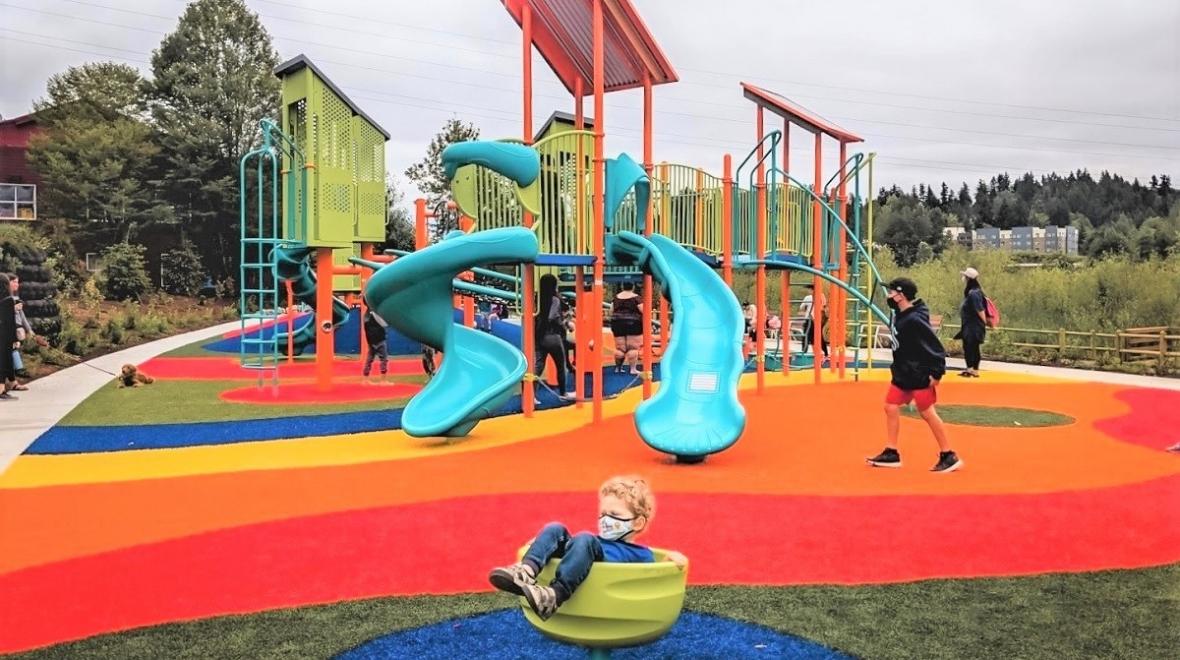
point(970, 274)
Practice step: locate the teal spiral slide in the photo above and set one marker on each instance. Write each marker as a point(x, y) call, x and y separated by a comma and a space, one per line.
point(479, 372)
point(291, 264)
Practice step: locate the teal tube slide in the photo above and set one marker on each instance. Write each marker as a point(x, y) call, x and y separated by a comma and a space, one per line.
point(479, 371)
point(696, 411)
point(291, 264)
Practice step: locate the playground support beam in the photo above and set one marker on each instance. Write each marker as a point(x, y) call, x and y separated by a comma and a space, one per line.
point(527, 327)
point(466, 223)
point(325, 341)
point(841, 325)
point(599, 199)
point(365, 273)
point(784, 332)
point(290, 321)
point(648, 367)
point(760, 275)
point(816, 262)
point(581, 309)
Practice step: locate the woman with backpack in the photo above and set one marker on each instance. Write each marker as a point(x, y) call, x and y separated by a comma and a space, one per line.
point(972, 322)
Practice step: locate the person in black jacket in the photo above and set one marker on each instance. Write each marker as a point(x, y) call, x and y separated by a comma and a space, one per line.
point(919, 363)
point(8, 342)
point(376, 339)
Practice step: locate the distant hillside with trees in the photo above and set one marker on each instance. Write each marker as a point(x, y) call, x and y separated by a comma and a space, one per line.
point(1112, 215)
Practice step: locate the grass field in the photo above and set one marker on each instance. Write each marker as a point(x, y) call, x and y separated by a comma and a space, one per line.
point(157, 404)
point(993, 416)
point(1111, 614)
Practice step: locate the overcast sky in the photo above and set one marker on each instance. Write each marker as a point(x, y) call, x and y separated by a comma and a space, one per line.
point(942, 90)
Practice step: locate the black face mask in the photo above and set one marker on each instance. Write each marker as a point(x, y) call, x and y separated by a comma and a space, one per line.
point(892, 304)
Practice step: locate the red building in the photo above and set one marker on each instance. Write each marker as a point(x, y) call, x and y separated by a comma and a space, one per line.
point(18, 182)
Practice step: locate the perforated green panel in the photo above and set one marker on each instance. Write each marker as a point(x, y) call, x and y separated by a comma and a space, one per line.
point(370, 181)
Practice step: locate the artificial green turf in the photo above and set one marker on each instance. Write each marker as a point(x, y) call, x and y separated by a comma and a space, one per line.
point(1108, 614)
point(179, 401)
point(968, 415)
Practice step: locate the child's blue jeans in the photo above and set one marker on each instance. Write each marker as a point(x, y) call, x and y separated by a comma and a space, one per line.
point(577, 553)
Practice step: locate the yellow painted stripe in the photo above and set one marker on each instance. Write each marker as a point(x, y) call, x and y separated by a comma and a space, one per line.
point(33, 470)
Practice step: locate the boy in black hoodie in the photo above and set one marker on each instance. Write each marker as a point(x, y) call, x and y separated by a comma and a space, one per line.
point(919, 363)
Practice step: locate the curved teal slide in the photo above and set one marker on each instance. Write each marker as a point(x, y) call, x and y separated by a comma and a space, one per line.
point(479, 371)
point(696, 411)
point(292, 264)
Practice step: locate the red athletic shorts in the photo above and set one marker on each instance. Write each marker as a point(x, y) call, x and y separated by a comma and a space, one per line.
point(921, 398)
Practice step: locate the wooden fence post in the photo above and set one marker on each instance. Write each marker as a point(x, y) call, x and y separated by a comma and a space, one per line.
point(1060, 343)
point(1118, 344)
point(1163, 348)
point(1093, 353)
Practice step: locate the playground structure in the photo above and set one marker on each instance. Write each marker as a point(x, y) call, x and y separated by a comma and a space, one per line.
point(592, 220)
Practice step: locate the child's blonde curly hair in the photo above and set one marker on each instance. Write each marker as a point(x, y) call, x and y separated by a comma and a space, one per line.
point(633, 491)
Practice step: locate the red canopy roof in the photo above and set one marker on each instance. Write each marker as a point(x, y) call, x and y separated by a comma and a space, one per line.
point(563, 33)
point(797, 114)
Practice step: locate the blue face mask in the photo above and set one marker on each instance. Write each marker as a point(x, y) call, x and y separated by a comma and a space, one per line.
point(612, 528)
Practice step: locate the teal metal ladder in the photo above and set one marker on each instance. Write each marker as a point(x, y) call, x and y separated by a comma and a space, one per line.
point(260, 286)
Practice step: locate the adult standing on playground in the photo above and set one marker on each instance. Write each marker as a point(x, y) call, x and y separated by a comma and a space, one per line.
point(550, 331)
point(809, 319)
point(972, 322)
point(626, 324)
point(8, 341)
point(919, 363)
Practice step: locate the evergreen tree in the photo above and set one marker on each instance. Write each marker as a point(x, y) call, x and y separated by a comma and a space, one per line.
point(944, 196)
point(213, 82)
point(429, 176)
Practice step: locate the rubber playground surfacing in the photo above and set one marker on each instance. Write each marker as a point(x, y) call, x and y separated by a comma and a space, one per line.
point(101, 537)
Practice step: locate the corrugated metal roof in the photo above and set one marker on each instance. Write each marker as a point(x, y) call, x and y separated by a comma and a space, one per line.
point(563, 34)
point(788, 109)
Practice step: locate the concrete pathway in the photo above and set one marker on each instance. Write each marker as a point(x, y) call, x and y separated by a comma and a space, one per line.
point(50, 398)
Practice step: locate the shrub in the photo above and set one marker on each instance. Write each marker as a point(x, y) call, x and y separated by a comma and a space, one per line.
point(124, 272)
point(182, 272)
point(23, 252)
point(114, 332)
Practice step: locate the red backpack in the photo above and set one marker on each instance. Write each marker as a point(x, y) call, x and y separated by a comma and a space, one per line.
point(991, 312)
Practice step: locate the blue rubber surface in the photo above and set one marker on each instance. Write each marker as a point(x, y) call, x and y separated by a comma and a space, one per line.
point(505, 635)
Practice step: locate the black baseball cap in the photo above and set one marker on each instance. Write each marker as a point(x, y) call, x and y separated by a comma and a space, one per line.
point(905, 286)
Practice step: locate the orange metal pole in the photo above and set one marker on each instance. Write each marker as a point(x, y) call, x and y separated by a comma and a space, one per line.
point(842, 328)
point(727, 220)
point(290, 322)
point(760, 274)
point(465, 224)
point(366, 253)
point(325, 346)
point(581, 336)
point(816, 263)
point(648, 365)
point(599, 192)
point(784, 331)
point(528, 338)
point(785, 294)
point(421, 240)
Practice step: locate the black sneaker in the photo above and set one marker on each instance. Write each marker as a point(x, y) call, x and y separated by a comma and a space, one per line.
point(889, 458)
point(947, 462)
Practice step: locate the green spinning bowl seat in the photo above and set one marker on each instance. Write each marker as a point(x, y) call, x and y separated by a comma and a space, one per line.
point(618, 604)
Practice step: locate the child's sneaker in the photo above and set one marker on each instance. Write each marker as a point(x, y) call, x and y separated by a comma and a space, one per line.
point(512, 579)
point(543, 600)
point(889, 458)
point(947, 462)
